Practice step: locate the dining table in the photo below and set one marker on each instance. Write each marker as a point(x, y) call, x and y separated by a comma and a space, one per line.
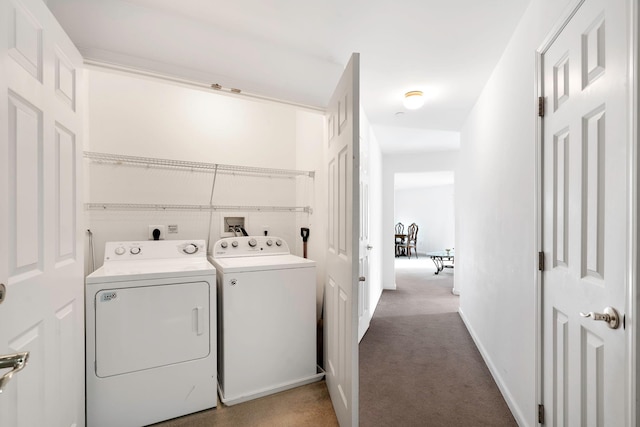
point(400, 251)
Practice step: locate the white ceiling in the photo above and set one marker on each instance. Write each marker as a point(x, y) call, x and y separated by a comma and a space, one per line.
point(408, 181)
point(296, 50)
point(399, 139)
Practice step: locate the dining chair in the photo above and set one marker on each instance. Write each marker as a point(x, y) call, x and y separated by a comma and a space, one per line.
point(399, 237)
point(412, 240)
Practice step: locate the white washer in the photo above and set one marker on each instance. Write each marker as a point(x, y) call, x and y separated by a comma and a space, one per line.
point(150, 333)
point(266, 318)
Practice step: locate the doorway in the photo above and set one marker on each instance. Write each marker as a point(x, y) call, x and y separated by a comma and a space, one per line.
point(426, 199)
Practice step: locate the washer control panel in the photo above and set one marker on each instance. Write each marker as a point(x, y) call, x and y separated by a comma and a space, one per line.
point(250, 246)
point(154, 249)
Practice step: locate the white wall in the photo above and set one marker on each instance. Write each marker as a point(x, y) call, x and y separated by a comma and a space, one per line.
point(132, 115)
point(404, 163)
point(432, 209)
point(495, 224)
point(374, 160)
point(376, 233)
point(310, 149)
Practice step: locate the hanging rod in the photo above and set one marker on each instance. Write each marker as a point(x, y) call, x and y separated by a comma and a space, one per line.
point(119, 159)
point(204, 208)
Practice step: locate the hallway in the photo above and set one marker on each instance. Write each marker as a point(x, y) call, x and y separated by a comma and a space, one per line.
point(418, 364)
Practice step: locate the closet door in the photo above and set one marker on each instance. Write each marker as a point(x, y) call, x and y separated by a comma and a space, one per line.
point(41, 255)
point(587, 222)
point(341, 283)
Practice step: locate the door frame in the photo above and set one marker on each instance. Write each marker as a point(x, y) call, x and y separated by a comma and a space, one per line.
point(633, 207)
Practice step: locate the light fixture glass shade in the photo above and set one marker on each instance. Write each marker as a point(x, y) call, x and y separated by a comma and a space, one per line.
point(413, 100)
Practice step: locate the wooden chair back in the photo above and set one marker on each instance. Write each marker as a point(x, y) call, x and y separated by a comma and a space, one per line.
point(399, 228)
point(412, 234)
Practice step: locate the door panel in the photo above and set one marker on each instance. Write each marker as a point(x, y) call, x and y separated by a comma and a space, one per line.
point(25, 184)
point(66, 221)
point(341, 286)
point(40, 258)
point(585, 217)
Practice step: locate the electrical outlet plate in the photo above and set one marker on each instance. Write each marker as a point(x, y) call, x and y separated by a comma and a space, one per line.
point(162, 228)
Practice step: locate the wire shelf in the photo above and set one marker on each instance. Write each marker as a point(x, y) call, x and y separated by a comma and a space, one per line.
point(203, 208)
point(152, 162)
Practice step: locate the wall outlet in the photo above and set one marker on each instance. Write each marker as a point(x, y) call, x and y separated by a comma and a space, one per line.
point(162, 229)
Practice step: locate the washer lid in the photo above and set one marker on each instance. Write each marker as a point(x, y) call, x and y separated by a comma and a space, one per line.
point(261, 263)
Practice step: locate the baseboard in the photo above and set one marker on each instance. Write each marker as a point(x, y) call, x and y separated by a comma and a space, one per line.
point(515, 410)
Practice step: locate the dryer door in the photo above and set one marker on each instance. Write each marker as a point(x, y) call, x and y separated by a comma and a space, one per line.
point(146, 327)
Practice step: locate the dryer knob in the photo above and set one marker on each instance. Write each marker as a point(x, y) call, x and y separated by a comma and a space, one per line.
point(278, 242)
point(269, 242)
point(224, 245)
point(234, 243)
point(190, 249)
point(253, 243)
point(134, 250)
point(120, 250)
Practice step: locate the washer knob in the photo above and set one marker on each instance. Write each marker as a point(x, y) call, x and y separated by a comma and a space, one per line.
point(234, 243)
point(278, 242)
point(120, 250)
point(190, 249)
point(224, 245)
point(252, 243)
point(269, 242)
point(134, 250)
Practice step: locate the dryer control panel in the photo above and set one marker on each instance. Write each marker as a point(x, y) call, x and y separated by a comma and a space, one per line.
point(250, 246)
point(154, 249)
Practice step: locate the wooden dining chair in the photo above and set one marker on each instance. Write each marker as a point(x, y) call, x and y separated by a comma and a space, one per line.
point(412, 240)
point(399, 240)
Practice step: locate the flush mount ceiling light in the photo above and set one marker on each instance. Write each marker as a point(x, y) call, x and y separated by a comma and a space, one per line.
point(413, 100)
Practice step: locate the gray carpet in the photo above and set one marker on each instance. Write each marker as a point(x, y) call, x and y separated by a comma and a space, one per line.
point(418, 364)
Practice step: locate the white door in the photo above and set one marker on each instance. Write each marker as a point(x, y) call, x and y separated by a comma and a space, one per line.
point(364, 288)
point(586, 221)
point(41, 255)
point(341, 283)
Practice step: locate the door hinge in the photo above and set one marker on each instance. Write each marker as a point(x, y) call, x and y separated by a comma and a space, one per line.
point(541, 261)
point(541, 414)
point(541, 106)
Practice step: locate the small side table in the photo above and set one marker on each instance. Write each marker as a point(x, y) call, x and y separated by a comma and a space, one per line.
point(439, 258)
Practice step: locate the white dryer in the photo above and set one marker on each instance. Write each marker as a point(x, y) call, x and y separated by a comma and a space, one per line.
point(266, 318)
point(150, 333)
